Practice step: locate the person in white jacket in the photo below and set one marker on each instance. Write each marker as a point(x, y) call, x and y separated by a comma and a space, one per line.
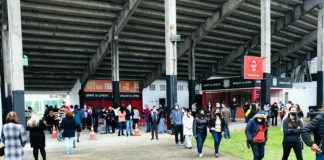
point(187, 128)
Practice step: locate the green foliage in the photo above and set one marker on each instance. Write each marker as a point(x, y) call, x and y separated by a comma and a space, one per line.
point(237, 146)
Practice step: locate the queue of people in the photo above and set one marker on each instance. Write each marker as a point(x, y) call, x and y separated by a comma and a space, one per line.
point(185, 126)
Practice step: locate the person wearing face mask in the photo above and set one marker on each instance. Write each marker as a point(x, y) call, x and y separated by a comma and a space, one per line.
point(233, 109)
point(176, 120)
point(274, 113)
point(154, 120)
point(200, 131)
point(216, 126)
point(292, 128)
point(187, 128)
point(225, 112)
point(257, 134)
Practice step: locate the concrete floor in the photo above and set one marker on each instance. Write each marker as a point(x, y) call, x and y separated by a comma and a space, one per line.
point(112, 147)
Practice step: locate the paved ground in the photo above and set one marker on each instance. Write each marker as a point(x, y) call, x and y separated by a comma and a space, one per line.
point(112, 147)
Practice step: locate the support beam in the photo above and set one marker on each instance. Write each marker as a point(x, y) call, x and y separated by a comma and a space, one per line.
point(191, 76)
point(103, 49)
point(306, 40)
point(320, 56)
point(12, 56)
point(266, 51)
point(210, 23)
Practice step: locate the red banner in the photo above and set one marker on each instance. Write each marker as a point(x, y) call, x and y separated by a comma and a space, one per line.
point(253, 67)
point(106, 86)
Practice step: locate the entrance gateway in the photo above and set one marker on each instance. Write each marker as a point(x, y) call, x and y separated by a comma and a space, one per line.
point(223, 90)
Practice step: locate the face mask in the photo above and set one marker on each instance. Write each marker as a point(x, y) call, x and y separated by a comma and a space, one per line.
point(293, 113)
point(259, 120)
point(176, 107)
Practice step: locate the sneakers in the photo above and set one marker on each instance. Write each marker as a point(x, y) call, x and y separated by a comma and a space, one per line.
point(217, 155)
point(182, 144)
point(200, 155)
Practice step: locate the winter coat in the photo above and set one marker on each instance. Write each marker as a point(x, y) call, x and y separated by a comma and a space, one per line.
point(157, 118)
point(188, 123)
point(37, 136)
point(129, 114)
point(292, 134)
point(252, 129)
point(200, 125)
point(176, 117)
point(14, 137)
point(69, 126)
point(316, 126)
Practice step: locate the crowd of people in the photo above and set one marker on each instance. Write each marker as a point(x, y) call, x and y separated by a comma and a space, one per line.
point(186, 123)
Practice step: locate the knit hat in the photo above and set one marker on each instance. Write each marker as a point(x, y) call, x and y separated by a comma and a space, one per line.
point(260, 114)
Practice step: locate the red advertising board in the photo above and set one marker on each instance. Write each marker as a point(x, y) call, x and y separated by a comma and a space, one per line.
point(106, 86)
point(253, 67)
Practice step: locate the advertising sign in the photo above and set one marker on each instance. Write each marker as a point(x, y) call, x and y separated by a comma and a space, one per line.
point(231, 83)
point(106, 86)
point(253, 67)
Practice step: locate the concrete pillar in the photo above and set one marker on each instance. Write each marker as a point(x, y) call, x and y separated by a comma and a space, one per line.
point(266, 51)
point(320, 56)
point(12, 55)
point(191, 76)
point(278, 67)
point(171, 54)
point(115, 72)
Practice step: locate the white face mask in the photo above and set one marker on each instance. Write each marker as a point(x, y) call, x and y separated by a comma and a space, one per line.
point(217, 105)
point(259, 120)
point(177, 107)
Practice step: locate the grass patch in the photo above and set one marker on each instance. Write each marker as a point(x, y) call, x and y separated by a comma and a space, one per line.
point(273, 149)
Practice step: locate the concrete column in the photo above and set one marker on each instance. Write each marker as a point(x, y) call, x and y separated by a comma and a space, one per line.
point(278, 67)
point(171, 54)
point(12, 55)
point(320, 56)
point(191, 76)
point(115, 72)
point(266, 51)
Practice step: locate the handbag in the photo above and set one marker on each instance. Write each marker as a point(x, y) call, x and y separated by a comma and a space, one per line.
point(2, 148)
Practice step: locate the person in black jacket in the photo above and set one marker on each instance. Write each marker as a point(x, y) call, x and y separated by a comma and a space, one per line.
point(36, 129)
point(111, 119)
point(154, 120)
point(316, 126)
point(95, 118)
point(292, 127)
point(129, 120)
point(69, 126)
point(216, 126)
point(200, 131)
point(162, 115)
point(274, 113)
point(246, 107)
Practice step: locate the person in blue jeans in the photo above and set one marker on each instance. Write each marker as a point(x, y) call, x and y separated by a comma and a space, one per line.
point(129, 121)
point(162, 115)
point(216, 127)
point(316, 126)
point(226, 114)
point(200, 131)
point(233, 109)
